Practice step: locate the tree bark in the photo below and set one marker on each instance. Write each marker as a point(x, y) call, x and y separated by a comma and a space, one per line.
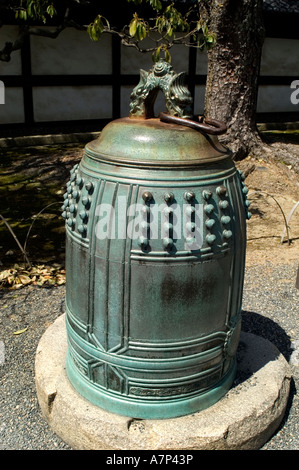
point(233, 70)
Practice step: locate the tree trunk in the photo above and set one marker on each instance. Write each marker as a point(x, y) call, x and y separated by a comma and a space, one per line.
point(233, 70)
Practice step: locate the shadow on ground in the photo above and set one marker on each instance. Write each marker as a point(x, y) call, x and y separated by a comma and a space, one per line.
point(32, 184)
point(259, 325)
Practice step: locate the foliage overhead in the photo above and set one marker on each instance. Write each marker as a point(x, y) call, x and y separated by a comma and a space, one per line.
point(154, 25)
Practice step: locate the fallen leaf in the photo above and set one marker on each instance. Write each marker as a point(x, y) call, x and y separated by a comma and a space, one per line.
point(19, 332)
point(4, 274)
point(24, 279)
point(16, 286)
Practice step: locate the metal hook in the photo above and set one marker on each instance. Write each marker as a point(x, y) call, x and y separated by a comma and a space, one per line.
point(205, 125)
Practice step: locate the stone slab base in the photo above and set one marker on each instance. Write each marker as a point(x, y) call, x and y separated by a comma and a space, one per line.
point(245, 418)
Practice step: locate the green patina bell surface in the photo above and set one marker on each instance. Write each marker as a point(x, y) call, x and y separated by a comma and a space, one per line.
point(156, 233)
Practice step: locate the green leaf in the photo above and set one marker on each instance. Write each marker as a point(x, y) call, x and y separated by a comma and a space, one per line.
point(92, 32)
point(51, 11)
point(156, 54)
point(167, 56)
point(138, 28)
point(156, 4)
point(29, 10)
point(141, 32)
point(96, 29)
point(169, 31)
point(133, 27)
point(22, 14)
point(160, 23)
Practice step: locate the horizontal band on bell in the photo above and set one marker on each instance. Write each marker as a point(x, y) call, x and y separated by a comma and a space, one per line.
point(150, 407)
point(90, 166)
point(133, 363)
point(154, 163)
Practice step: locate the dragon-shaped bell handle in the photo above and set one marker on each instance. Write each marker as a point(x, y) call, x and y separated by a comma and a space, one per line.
point(161, 77)
point(178, 99)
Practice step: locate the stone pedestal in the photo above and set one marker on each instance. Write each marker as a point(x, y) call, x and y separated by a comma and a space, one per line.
point(245, 418)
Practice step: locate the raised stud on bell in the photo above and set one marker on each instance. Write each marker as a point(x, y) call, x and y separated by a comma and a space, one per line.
point(168, 211)
point(211, 239)
point(190, 210)
point(147, 196)
point(86, 202)
point(73, 209)
point(71, 222)
point(167, 243)
point(225, 219)
point(76, 194)
point(221, 191)
point(168, 197)
point(189, 241)
point(227, 234)
point(210, 223)
point(83, 215)
point(144, 226)
point(143, 242)
point(82, 229)
point(223, 204)
point(167, 227)
point(79, 181)
point(189, 196)
point(191, 226)
point(209, 208)
point(89, 186)
point(206, 194)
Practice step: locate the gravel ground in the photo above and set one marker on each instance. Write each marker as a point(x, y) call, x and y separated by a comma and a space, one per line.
point(270, 310)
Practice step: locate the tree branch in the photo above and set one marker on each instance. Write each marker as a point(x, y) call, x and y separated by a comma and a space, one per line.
point(26, 30)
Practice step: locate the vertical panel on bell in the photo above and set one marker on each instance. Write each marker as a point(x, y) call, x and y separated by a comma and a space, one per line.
point(238, 262)
point(110, 266)
point(193, 290)
point(77, 261)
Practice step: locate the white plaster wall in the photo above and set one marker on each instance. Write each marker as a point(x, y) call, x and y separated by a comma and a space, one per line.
point(71, 53)
point(201, 63)
point(280, 57)
point(132, 60)
point(199, 99)
point(12, 112)
point(72, 103)
point(275, 99)
point(14, 67)
point(125, 100)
